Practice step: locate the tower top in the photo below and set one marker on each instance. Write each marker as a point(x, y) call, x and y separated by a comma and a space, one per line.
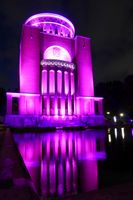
point(52, 23)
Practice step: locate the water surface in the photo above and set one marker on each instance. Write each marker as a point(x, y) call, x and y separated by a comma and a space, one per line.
point(67, 162)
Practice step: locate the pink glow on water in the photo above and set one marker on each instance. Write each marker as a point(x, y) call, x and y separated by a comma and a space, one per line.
point(63, 145)
point(70, 146)
point(48, 148)
point(57, 53)
point(68, 176)
point(44, 178)
point(60, 178)
point(64, 159)
point(74, 170)
point(52, 173)
point(56, 138)
point(89, 175)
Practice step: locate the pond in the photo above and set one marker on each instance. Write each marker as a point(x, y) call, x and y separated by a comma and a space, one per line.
point(70, 162)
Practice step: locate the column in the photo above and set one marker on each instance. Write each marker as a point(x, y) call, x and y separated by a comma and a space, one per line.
point(62, 82)
point(47, 98)
point(52, 82)
point(62, 112)
point(66, 83)
point(55, 99)
point(44, 81)
point(72, 83)
point(69, 96)
point(47, 81)
point(59, 82)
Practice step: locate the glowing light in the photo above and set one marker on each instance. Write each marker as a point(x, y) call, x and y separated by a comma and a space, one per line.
point(57, 63)
point(121, 114)
point(123, 133)
point(95, 98)
point(115, 119)
point(132, 131)
point(108, 113)
point(115, 130)
point(109, 138)
point(13, 94)
point(108, 130)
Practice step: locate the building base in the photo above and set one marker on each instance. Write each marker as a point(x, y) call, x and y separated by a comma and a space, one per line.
point(23, 121)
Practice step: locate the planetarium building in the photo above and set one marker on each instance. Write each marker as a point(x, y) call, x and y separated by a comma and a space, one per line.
point(55, 76)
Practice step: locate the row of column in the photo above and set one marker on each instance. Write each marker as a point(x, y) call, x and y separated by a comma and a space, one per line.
point(57, 82)
point(57, 105)
point(58, 177)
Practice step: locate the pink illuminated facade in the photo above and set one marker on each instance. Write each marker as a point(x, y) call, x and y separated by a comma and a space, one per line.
point(62, 162)
point(56, 79)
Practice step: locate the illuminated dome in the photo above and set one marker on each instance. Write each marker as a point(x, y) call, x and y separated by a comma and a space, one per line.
point(57, 53)
point(52, 24)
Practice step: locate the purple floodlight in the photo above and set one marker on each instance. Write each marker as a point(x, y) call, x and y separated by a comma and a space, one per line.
point(56, 77)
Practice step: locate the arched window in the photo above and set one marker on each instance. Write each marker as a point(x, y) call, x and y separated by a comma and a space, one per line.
point(57, 53)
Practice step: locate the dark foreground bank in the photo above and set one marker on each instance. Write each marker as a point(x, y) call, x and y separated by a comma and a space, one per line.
point(15, 182)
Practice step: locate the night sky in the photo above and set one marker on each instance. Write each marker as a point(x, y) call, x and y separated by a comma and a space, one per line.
point(109, 23)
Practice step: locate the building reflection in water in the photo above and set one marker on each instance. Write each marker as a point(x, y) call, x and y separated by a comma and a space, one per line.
point(62, 162)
